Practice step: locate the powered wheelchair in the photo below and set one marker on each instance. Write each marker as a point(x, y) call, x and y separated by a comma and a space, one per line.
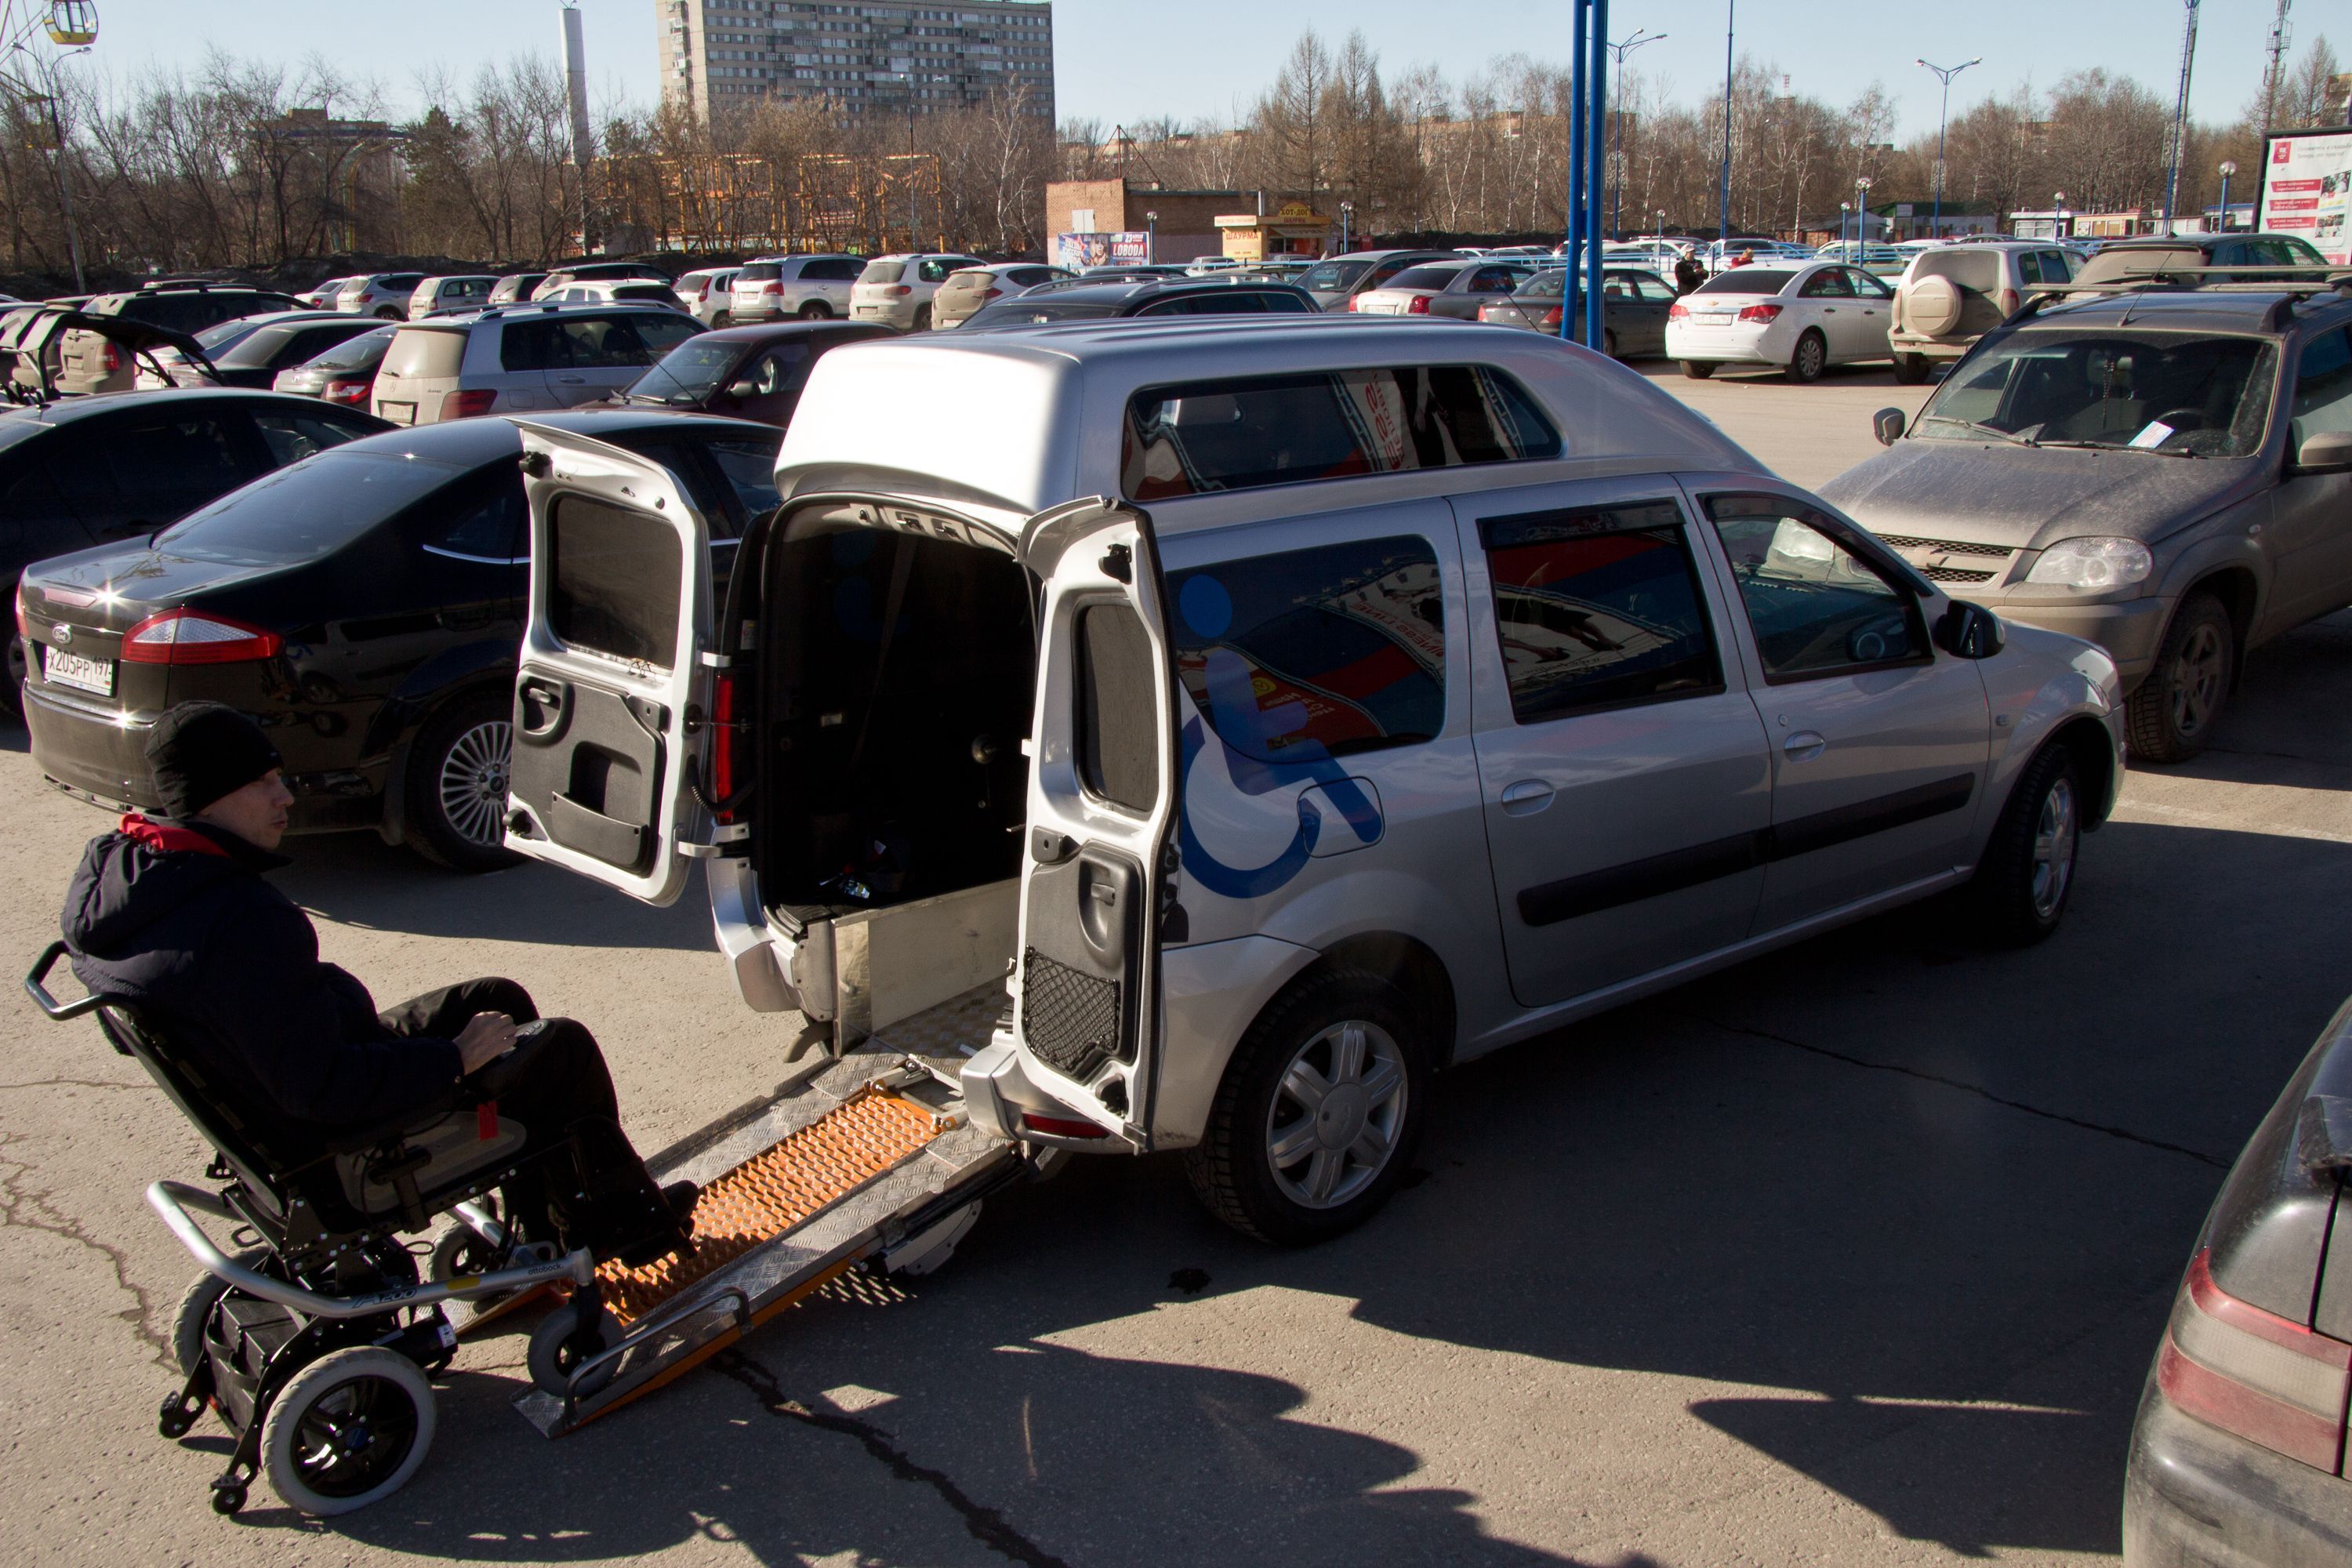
point(314, 1341)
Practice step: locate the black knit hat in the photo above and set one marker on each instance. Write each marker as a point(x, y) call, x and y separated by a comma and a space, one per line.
point(203, 750)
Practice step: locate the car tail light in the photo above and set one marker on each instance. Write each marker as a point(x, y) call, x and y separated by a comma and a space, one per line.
point(1417, 306)
point(772, 288)
point(900, 291)
point(1061, 1126)
point(1351, 300)
point(1760, 314)
point(2009, 301)
point(24, 630)
point(1678, 311)
point(185, 637)
point(353, 392)
point(2266, 1378)
point(110, 359)
point(726, 745)
point(1551, 319)
point(468, 405)
point(994, 294)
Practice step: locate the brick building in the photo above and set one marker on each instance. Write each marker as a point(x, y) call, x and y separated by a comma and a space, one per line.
point(1189, 222)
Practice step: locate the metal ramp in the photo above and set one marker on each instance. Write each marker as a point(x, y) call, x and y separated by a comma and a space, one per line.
point(863, 1160)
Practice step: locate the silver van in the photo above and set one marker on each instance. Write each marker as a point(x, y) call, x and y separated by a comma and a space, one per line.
point(520, 358)
point(1266, 715)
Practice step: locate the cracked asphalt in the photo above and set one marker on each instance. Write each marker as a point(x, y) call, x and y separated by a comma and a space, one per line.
point(1856, 1255)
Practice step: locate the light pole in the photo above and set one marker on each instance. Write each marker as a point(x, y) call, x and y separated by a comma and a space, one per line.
point(2229, 168)
point(1861, 214)
point(1150, 238)
point(1346, 213)
point(1844, 209)
point(2058, 204)
point(1944, 74)
point(1617, 127)
point(1723, 213)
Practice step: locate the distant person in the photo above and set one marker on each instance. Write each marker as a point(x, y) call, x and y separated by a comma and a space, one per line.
point(1743, 258)
point(1689, 272)
point(175, 916)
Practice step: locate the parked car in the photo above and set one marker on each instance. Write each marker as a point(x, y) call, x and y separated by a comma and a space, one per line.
point(1723, 256)
point(1337, 281)
point(1803, 318)
point(1085, 299)
point(344, 374)
point(2121, 260)
point(2237, 1456)
point(1634, 305)
point(521, 359)
point(704, 294)
point(88, 363)
point(117, 467)
point(1455, 289)
point(1951, 295)
point(384, 295)
point(447, 296)
point(1109, 269)
point(615, 292)
point(769, 287)
point(744, 373)
point(252, 349)
point(363, 606)
point(1882, 259)
point(1271, 866)
point(896, 290)
point(2167, 474)
point(973, 287)
point(597, 273)
point(322, 296)
point(515, 287)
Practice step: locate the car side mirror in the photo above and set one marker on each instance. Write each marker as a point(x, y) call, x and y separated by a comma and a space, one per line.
point(1969, 631)
point(2324, 452)
point(1888, 425)
point(747, 387)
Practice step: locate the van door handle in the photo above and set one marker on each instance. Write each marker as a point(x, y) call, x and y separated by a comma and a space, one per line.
point(1525, 797)
point(1804, 746)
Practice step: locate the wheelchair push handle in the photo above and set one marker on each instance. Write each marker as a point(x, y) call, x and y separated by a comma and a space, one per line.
point(39, 992)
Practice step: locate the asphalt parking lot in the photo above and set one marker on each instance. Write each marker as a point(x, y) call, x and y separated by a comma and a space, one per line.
point(1856, 1253)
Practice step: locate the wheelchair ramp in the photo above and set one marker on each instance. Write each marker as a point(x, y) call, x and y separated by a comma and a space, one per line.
point(856, 1159)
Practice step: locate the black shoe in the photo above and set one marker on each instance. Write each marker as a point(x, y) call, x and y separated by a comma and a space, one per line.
point(682, 1197)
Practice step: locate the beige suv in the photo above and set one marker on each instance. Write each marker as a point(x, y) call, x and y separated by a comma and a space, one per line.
point(1954, 294)
point(896, 290)
point(521, 359)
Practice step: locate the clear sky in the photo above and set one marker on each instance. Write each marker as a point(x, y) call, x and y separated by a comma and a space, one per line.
point(1127, 61)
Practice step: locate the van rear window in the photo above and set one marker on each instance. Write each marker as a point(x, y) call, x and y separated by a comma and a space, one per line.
point(614, 581)
point(1241, 435)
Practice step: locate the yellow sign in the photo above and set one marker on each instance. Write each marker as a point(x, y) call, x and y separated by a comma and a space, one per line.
point(1296, 210)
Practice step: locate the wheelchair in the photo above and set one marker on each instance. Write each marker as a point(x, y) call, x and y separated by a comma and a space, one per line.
point(315, 1341)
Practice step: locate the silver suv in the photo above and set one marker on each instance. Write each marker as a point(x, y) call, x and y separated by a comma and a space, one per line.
point(813, 288)
point(522, 358)
point(384, 295)
point(1954, 294)
point(896, 290)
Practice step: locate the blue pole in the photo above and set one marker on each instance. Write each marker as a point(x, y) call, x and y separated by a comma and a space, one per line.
point(1596, 147)
point(1723, 213)
point(1570, 327)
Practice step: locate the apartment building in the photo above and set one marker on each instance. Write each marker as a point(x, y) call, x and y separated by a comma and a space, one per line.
point(879, 56)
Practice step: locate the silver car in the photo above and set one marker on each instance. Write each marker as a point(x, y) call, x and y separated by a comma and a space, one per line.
point(707, 295)
point(812, 288)
point(384, 295)
point(1337, 280)
point(447, 296)
point(2167, 474)
point(515, 359)
point(1458, 290)
point(896, 290)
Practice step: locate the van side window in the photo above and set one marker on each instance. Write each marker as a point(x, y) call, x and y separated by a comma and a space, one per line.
point(1248, 434)
point(614, 578)
point(1599, 609)
point(1118, 712)
point(1817, 607)
point(1314, 652)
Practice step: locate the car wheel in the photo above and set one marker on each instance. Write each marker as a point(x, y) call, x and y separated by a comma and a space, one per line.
point(816, 310)
point(457, 784)
point(1910, 369)
point(722, 319)
point(1698, 369)
point(1810, 358)
point(1609, 342)
point(1316, 1121)
point(348, 1430)
point(923, 318)
point(2170, 718)
point(13, 678)
point(2021, 885)
point(389, 315)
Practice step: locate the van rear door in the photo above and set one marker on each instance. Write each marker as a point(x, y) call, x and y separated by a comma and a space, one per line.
point(609, 696)
point(1101, 814)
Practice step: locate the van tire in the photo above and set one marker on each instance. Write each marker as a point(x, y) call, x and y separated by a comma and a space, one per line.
point(1233, 1170)
point(1698, 369)
point(450, 745)
point(2022, 886)
point(2171, 717)
point(1910, 369)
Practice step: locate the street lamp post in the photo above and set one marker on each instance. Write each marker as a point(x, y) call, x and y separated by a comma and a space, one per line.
point(1844, 210)
point(1346, 213)
point(1723, 213)
point(2229, 168)
point(1150, 238)
point(1942, 115)
point(1861, 212)
point(2058, 207)
point(1617, 126)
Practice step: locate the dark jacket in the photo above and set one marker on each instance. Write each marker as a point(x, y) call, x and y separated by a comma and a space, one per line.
point(179, 920)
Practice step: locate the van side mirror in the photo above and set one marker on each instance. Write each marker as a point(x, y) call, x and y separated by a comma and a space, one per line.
point(1969, 631)
point(2324, 452)
point(1888, 425)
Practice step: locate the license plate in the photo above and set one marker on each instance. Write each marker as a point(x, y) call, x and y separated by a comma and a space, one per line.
point(398, 413)
point(82, 674)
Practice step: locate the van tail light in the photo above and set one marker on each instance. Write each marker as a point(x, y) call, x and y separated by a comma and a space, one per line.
point(468, 405)
point(1678, 311)
point(2263, 1377)
point(901, 290)
point(1061, 1126)
point(1417, 306)
point(1760, 314)
point(726, 743)
point(2009, 301)
point(185, 637)
point(351, 394)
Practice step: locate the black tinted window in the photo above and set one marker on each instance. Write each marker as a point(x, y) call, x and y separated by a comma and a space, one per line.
point(1816, 606)
point(1118, 710)
point(1332, 277)
point(1598, 608)
point(614, 581)
point(165, 465)
point(1273, 430)
point(664, 332)
point(1748, 279)
point(749, 467)
point(303, 512)
point(35, 521)
point(292, 436)
point(1314, 652)
point(840, 270)
point(485, 523)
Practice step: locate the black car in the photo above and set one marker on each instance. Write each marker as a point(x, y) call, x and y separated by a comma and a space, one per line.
point(745, 373)
point(2238, 1455)
point(251, 349)
point(96, 471)
point(365, 605)
point(1091, 300)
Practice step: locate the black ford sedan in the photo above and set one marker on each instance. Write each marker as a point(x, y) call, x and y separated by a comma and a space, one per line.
point(745, 373)
point(364, 604)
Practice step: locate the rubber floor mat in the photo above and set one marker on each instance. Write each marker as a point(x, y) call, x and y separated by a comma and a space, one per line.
point(767, 1194)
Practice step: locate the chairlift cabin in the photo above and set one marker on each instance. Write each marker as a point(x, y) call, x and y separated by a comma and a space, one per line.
point(73, 23)
point(40, 124)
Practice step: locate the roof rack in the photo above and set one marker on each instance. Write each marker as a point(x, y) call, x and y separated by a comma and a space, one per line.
point(2182, 280)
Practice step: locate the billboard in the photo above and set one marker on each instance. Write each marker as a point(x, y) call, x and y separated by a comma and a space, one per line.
point(1077, 251)
point(2307, 186)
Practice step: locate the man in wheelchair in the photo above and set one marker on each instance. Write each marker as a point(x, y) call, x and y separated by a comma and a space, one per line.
point(176, 917)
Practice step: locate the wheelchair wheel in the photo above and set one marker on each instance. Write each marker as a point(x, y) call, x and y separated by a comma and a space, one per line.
point(459, 1251)
point(196, 1310)
point(553, 1357)
point(348, 1430)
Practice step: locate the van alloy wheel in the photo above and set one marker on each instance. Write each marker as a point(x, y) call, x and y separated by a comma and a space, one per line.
point(1332, 1127)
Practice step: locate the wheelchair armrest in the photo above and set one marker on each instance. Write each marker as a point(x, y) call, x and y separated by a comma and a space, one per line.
point(39, 992)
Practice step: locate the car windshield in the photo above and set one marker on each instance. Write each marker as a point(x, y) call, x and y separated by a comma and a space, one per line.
point(305, 512)
point(1748, 279)
point(2178, 393)
point(689, 372)
point(1333, 276)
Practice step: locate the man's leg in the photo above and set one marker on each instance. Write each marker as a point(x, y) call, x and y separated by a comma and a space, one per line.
point(439, 1015)
point(563, 1091)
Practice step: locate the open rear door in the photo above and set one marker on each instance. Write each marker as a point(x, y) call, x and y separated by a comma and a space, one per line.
point(1102, 810)
point(606, 698)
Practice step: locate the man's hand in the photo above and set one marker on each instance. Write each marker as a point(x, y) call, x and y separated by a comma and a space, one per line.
point(486, 1037)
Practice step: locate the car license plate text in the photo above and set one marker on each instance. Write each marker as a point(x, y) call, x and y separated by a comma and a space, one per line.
point(398, 413)
point(72, 670)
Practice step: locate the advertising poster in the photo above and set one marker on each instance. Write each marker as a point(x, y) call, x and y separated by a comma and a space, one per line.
point(2307, 184)
point(1079, 251)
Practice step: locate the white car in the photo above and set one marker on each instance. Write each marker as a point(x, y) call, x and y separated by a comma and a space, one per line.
point(812, 288)
point(1803, 318)
point(896, 290)
point(521, 358)
point(447, 296)
point(615, 292)
point(384, 295)
point(708, 294)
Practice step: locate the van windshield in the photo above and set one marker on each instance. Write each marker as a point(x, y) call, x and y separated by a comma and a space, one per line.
point(2182, 394)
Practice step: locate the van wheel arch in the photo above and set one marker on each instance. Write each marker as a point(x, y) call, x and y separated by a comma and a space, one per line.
point(1403, 961)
